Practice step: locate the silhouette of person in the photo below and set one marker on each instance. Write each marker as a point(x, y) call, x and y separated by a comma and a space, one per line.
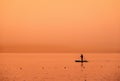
point(81, 57)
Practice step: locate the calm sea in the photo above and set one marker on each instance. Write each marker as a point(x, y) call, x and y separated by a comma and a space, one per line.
point(59, 67)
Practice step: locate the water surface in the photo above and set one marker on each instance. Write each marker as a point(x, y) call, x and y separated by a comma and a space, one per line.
point(59, 67)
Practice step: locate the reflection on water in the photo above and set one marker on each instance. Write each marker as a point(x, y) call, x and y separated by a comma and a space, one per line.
point(59, 67)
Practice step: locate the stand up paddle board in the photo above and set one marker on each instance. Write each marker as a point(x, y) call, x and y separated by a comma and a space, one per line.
point(81, 61)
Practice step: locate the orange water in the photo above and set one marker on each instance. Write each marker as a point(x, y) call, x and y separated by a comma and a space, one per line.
point(59, 67)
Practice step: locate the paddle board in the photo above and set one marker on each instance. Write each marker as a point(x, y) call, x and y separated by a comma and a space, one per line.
point(81, 61)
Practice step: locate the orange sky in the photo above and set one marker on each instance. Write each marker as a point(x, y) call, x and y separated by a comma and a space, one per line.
point(59, 25)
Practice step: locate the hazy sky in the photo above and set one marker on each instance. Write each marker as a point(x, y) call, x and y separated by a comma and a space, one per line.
point(59, 25)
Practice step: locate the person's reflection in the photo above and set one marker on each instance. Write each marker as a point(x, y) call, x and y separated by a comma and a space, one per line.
point(82, 66)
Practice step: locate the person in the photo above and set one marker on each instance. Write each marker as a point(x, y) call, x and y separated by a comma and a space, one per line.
point(81, 57)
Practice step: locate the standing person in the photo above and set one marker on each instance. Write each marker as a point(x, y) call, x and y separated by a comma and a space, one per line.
point(81, 57)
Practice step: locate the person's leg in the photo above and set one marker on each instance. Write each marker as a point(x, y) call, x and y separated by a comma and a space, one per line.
point(82, 59)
